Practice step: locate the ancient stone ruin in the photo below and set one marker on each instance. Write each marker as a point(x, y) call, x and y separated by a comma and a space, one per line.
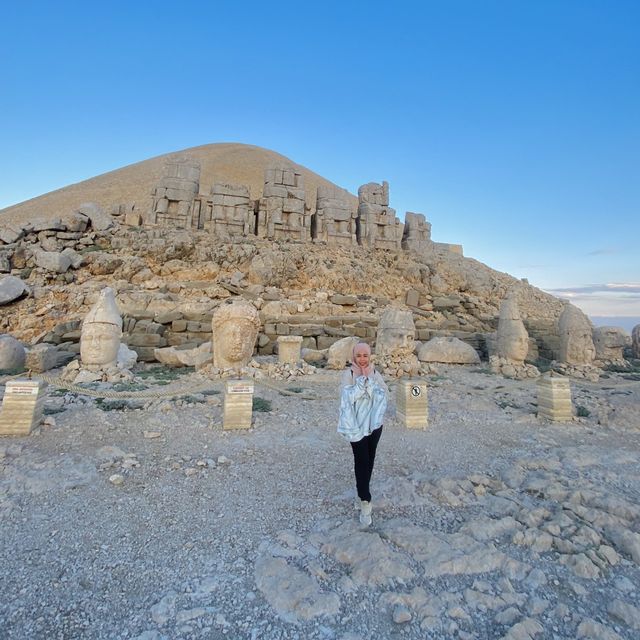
point(282, 212)
point(377, 225)
point(334, 221)
point(235, 330)
point(173, 197)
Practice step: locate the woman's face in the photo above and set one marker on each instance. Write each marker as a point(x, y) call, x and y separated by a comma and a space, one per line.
point(361, 356)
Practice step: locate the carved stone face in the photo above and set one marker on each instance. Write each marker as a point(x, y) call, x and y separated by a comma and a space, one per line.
point(235, 330)
point(513, 341)
point(235, 340)
point(396, 333)
point(99, 343)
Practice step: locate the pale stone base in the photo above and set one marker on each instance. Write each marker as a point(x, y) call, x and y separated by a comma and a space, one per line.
point(22, 407)
point(238, 404)
point(412, 409)
point(554, 398)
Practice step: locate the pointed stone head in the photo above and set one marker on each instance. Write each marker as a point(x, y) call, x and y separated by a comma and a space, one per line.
point(512, 339)
point(101, 332)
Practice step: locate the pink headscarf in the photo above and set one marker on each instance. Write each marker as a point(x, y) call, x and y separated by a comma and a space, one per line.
point(355, 369)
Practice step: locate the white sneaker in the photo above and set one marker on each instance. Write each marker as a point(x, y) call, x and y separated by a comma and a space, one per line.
point(365, 513)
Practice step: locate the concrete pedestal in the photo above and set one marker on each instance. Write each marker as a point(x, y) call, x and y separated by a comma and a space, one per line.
point(238, 404)
point(22, 407)
point(554, 398)
point(412, 408)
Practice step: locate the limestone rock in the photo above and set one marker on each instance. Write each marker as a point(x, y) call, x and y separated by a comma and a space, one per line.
point(126, 358)
point(99, 219)
point(42, 357)
point(11, 288)
point(52, 261)
point(10, 233)
point(294, 595)
point(609, 343)
point(12, 354)
point(176, 357)
point(340, 352)
point(448, 350)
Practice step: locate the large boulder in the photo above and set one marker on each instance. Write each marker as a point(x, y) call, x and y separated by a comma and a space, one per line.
point(448, 351)
point(610, 343)
point(42, 357)
point(52, 261)
point(99, 219)
point(11, 288)
point(12, 355)
point(340, 352)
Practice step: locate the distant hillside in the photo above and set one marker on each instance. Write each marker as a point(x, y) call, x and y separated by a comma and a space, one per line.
point(223, 162)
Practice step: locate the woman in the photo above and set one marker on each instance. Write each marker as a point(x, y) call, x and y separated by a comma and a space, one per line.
point(363, 400)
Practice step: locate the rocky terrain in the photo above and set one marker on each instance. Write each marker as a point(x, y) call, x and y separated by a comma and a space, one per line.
point(144, 519)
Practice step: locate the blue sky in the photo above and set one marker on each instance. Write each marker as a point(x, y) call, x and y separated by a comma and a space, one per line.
point(513, 125)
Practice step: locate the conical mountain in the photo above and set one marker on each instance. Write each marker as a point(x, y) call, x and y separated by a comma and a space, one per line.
point(223, 162)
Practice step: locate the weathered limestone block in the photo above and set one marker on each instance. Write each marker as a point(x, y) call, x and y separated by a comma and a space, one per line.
point(174, 195)
point(42, 357)
point(235, 327)
point(75, 222)
point(448, 350)
point(12, 354)
point(238, 404)
point(512, 338)
point(576, 339)
point(334, 221)
point(99, 219)
point(289, 349)
point(22, 407)
point(11, 288)
point(609, 343)
point(52, 261)
point(185, 357)
point(411, 403)
point(635, 342)
point(339, 352)
point(377, 226)
point(554, 398)
point(227, 212)
point(282, 212)
point(416, 235)
point(10, 233)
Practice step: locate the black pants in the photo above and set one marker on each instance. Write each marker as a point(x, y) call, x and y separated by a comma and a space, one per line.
point(364, 455)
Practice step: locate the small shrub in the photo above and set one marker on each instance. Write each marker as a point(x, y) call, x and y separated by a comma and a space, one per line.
point(293, 390)
point(262, 405)
point(210, 392)
point(582, 412)
point(129, 386)
point(50, 411)
point(192, 400)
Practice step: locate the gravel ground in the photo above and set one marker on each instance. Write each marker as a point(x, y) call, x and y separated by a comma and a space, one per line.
point(155, 523)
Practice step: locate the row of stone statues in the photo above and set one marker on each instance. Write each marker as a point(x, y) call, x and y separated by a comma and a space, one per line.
point(236, 324)
point(282, 212)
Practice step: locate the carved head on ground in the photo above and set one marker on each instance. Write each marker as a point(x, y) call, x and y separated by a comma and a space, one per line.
point(101, 332)
point(235, 328)
point(396, 333)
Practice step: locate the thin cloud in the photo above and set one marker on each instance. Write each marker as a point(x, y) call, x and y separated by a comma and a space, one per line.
point(610, 299)
point(604, 252)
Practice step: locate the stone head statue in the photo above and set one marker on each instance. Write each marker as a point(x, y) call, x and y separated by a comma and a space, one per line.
point(396, 333)
point(235, 328)
point(101, 332)
point(576, 339)
point(512, 339)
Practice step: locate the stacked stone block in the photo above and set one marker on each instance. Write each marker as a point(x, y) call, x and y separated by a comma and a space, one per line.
point(554, 398)
point(335, 220)
point(22, 407)
point(174, 195)
point(227, 212)
point(289, 349)
point(416, 235)
point(238, 404)
point(377, 225)
point(412, 409)
point(282, 212)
